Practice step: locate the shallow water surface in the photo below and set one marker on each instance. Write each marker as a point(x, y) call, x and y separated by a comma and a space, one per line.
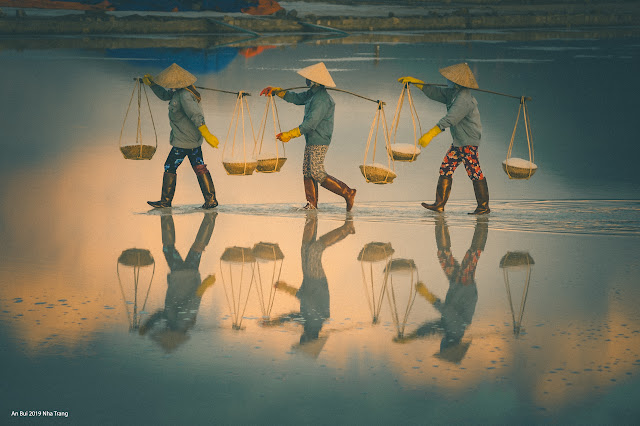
point(263, 313)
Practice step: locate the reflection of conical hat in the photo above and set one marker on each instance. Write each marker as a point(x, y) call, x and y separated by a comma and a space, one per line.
point(454, 353)
point(267, 251)
point(318, 73)
point(461, 75)
point(312, 347)
point(401, 265)
point(374, 252)
point(136, 257)
point(238, 254)
point(175, 77)
point(516, 260)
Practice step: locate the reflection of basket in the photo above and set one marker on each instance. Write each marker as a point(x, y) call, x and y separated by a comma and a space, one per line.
point(401, 265)
point(376, 173)
point(138, 152)
point(404, 152)
point(240, 168)
point(267, 251)
point(375, 251)
point(270, 165)
point(517, 168)
point(238, 255)
point(136, 257)
point(516, 260)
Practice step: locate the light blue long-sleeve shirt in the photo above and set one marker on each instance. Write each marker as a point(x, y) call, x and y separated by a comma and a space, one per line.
point(185, 116)
point(462, 116)
point(319, 109)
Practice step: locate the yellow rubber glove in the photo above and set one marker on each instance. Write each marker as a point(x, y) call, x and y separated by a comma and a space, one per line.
point(208, 282)
point(211, 140)
point(418, 83)
point(281, 285)
point(287, 136)
point(426, 138)
point(147, 79)
point(270, 91)
point(424, 292)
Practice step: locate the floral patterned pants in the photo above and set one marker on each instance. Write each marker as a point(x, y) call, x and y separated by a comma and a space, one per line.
point(176, 157)
point(313, 162)
point(468, 155)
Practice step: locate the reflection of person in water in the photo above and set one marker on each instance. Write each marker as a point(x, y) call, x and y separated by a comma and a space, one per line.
point(314, 291)
point(185, 289)
point(460, 302)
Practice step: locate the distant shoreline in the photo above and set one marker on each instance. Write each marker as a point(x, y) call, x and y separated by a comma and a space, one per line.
point(441, 16)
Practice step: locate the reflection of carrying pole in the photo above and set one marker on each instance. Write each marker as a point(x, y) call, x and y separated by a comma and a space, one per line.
point(526, 98)
point(334, 89)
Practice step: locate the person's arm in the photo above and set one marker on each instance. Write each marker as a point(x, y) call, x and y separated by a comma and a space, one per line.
point(158, 90)
point(298, 98)
point(436, 93)
point(191, 108)
point(318, 112)
point(460, 108)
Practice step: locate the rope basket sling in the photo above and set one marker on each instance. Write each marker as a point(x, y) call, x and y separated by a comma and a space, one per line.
point(518, 168)
point(246, 163)
point(407, 268)
point(268, 161)
point(371, 254)
point(138, 151)
point(268, 254)
point(513, 261)
point(404, 151)
point(374, 172)
point(136, 260)
point(237, 264)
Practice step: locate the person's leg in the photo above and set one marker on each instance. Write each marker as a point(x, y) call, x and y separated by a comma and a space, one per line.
point(443, 189)
point(310, 185)
point(204, 178)
point(169, 179)
point(480, 188)
point(329, 182)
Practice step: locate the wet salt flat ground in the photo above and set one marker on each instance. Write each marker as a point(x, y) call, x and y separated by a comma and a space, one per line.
point(260, 313)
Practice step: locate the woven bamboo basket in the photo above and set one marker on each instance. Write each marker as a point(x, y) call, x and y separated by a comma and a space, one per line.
point(240, 168)
point(375, 252)
point(138, 152)
point(267, 251)
point(516, 260)
point(136, 257)
point(401, 265)
point(516, 172)
point(401, 153)
point(238, 255)
point(378, 175)
point(270, 165)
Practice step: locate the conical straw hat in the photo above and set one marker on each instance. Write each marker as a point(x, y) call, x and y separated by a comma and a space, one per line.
point(175, 77)
point(460, 74)
point(318, 73)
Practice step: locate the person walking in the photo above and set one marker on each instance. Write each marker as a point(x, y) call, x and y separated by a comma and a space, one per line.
point(463, 118)
point(317, 128)
point(175, 84)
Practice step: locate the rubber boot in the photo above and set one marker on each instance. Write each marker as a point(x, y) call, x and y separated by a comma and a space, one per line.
point(208, 190)
point(168, 231)
point(481, 190)
point(341, 189)
point(443, 190)
point(168, 190)
point(443, 240)
point(311, 193)
point(479, 239)
point(204, 232)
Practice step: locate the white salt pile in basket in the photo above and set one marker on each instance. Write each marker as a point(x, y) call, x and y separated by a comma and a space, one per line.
point(519, 163)
point(405, 148)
